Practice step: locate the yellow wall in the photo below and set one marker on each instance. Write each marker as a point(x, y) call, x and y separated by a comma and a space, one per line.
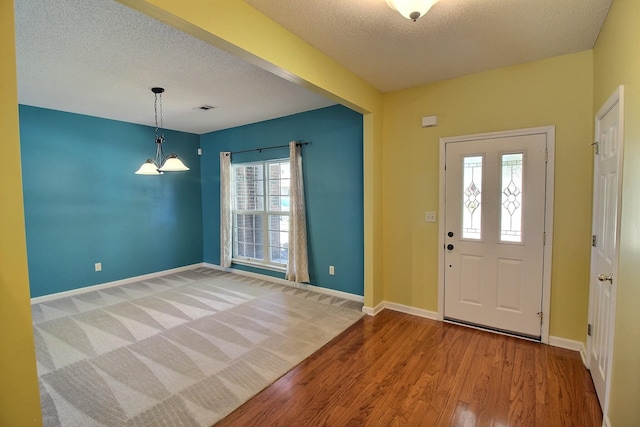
point(555, 91)
point(19, 398)
point(616, 62)
point(238, 28)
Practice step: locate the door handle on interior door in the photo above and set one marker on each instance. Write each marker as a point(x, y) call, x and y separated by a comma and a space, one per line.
point(605, 277)
point(450, 247)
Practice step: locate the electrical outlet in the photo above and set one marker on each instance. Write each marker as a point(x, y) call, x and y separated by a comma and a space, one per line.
point(332, 270)
point(98, 266)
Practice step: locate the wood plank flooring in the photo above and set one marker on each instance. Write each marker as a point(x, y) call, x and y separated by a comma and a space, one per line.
point(400, 370)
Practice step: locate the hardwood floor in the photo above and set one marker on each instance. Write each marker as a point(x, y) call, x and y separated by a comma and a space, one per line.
point(400, 370)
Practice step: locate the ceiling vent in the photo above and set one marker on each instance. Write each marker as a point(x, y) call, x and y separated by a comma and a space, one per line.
point(204, 107)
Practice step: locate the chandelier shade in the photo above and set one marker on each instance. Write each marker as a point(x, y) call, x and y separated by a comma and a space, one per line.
point(160, 163)
point(148, 168)
point(411, 9)
point(173, 164)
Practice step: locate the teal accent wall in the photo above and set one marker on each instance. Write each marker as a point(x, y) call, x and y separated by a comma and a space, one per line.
point(333, 175)
point(84, 204)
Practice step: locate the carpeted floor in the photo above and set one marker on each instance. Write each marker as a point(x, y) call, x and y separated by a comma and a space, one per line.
point(185, 349)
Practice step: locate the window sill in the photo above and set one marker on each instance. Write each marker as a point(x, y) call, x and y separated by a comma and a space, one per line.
point(270, 267)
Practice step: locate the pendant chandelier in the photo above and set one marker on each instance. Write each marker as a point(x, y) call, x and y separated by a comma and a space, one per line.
point(160, 163)
point(411, 9)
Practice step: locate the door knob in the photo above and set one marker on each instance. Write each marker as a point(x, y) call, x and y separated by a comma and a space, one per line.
point(450, 234)
point(605, 277)
point(450, 246)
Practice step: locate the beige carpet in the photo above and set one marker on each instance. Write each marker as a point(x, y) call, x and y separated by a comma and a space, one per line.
point(182, 350)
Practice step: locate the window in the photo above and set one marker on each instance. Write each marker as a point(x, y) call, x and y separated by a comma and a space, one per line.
point(261, 212)
point(472, 198)
point(511, 212)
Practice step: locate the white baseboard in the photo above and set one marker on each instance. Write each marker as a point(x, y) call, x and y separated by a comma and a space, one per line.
point(97, 287)
point(372, 311)
point(570, 345)
point(554, 341)
point(319, 289)
point(85, 289)
point(411, 310)
point(216, 267)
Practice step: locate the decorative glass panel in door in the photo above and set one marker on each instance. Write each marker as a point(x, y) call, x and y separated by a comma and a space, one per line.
point(511, 212)
point(472, 198)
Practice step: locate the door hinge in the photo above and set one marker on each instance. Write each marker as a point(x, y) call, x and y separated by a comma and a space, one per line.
point(594, 240)
point(546, 154)
point(544, 238)
point(589, 329)
point(541, 316)
point(596, 145)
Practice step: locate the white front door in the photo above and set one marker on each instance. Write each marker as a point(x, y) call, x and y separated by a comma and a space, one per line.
point(494, 232)
point(604, 253)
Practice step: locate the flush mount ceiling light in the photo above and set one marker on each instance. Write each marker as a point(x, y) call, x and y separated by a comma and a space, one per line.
point(160, 163)
point(411, 9)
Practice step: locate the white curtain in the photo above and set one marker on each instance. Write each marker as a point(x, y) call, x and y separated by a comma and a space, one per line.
point(225, 209)
point(298, 265)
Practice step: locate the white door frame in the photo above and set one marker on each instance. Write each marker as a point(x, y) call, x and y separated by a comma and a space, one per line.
point(550, 132)
point(616, 97)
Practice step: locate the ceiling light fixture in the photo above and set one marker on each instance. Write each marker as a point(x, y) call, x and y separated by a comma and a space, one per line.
point(411, 9)
point(160, 163)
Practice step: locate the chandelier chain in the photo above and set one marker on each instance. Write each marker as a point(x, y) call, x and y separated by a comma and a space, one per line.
point(161, 162)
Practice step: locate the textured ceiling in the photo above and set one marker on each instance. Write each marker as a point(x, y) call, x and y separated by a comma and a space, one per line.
point(455, 38)
point(100, 58)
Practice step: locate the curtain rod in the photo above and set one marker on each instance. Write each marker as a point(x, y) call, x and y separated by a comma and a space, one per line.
point(268, 148)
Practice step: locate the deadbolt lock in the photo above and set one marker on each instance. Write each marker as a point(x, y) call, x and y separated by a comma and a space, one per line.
point(605, 277)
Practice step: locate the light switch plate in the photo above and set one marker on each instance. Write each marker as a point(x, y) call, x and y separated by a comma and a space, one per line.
point(429, 217)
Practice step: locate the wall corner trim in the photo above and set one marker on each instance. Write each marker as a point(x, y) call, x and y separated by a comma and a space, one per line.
point(570, 345)
point(372, 311)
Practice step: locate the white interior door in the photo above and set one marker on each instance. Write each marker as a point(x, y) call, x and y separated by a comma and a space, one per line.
point(494, 232)
point(604, 253)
